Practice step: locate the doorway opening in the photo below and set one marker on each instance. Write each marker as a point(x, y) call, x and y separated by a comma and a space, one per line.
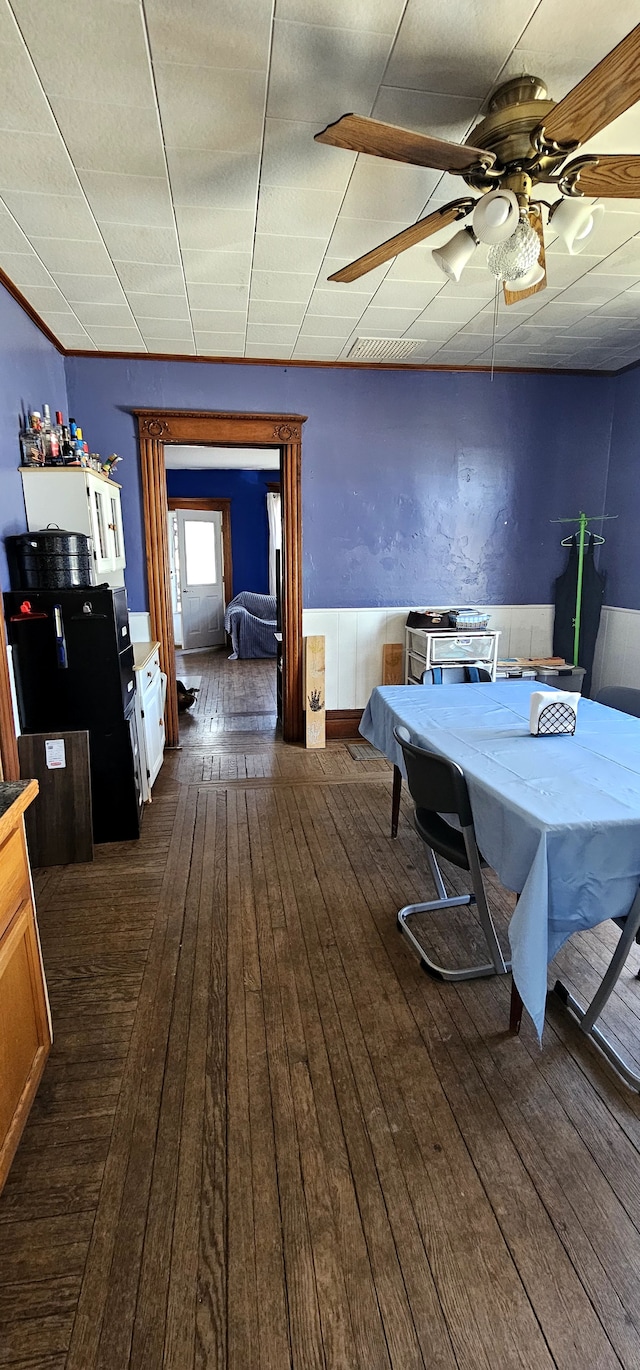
point(158, 428)
point(224, 544)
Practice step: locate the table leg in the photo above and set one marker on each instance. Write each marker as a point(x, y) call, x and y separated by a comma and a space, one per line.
point(395, 800)
point(515, 1013)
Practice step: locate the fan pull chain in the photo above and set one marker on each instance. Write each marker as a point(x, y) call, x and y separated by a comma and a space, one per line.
point(495, 323)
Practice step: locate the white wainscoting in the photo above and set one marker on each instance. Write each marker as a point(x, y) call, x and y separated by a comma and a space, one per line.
point(617, 658)
point(354, 639)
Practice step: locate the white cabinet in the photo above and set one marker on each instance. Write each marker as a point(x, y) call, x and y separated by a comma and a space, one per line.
point(151, 685)
point(426, 648)
point(81, 501)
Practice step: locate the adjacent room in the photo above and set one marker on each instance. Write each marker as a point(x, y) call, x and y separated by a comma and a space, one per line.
point(319, 685)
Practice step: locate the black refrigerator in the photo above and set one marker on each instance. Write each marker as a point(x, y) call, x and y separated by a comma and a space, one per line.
point(73, 666)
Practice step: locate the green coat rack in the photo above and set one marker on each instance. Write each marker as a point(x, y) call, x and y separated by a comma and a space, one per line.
point(583, 520)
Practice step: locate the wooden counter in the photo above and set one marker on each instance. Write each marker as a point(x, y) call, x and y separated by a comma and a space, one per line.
point(25, 1021)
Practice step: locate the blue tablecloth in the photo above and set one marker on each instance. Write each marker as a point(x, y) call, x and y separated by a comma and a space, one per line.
point(558, 818)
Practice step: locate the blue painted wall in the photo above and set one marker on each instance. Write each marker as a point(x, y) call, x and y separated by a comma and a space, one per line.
point(418, 486)
point(247, 491)
point(31, 374)
point(621, 555)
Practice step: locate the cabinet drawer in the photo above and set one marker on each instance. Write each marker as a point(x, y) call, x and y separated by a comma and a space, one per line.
point(462, 648)
point(15, 886)
point(148, 674)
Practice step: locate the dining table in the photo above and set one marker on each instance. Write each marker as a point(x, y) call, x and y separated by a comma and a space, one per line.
point(556, 816)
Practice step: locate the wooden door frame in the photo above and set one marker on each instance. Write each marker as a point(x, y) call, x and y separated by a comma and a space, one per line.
point(156, 429)
point(215, 506)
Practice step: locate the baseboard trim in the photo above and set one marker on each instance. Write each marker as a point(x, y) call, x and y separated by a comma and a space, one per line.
point(342, 724)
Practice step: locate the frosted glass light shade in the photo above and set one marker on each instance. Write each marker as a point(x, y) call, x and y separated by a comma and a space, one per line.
point(453, 257)
point(496, 216)
point(531, 277)
point(574, 222)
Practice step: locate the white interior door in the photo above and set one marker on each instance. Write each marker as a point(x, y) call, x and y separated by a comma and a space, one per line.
point(201, 577)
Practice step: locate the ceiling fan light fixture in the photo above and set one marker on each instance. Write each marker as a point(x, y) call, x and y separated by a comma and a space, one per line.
point(513, 259)
point(454, 255)
point(531, 277)
point(495, 216)
point(574, 222)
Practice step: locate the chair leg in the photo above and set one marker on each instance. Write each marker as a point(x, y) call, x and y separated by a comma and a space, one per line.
point(444, 902)
point(395, 800)
point(586, 1017)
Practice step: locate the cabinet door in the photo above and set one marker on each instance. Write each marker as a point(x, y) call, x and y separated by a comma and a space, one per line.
point(100, 515)
point(24, 1029)
point(153, 722)
point(112, 499)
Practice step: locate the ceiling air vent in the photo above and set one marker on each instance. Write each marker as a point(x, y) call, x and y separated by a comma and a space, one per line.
point(383, 349)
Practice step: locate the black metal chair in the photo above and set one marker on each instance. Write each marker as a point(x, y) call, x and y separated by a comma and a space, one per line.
point(620, 697)
point(438, 786)
point(455, 675)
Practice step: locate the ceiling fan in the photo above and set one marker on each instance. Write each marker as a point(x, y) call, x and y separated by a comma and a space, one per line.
point(524, 140)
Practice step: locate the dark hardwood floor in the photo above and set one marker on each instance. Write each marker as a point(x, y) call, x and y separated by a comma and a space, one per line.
point(264, 1139)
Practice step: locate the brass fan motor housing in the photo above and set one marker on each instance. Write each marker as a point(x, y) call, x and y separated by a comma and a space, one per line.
point(516, 110)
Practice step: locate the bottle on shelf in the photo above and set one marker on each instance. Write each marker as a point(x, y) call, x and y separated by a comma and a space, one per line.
point(31, 445)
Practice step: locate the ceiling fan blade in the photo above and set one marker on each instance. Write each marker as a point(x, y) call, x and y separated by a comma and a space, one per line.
point(357, 134)
point(512, 296)
point(617, 177)
point(607, 91)
point(401, 241)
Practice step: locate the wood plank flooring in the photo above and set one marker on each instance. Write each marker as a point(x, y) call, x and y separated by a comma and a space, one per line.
point(265, 1139)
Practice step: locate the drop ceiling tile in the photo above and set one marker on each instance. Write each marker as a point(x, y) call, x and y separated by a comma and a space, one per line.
point(182, 31)
point(113, 315)
point(56, 320)
point(351, 238)
point(596, 288)
point(171, 347)
point(158, 306)
point(107, 39)
point(22, 103)
point(318, 349)
point(623, 307)
point(311, 213)
point(442, 116)
point(333, 70)
point(271, 333)
point(479, 285)
point(276, 312)
point(216, 180)
point(110, 138)
point(38, 213)
point(291, 286)
point(135, 243)
point(221, 230)
point(553, 27)
point(446, 308)
point(405, 294)
point(625, 260)
point(33, 159)
point(386, 322)
point(151, 278)
point(219, 320)
point(12, 238)
point(290, 157)
point(417, 264)
point(24, 268)
point(216, 268)
point(79, 258)
point(373, 16)
point(165, 328)
point(277, 350)
point(319, 326)
point(235, 297)
point(459, 49)
point(46, 298)
point(128, 199)
point(339, 304)
point(79, 289)
point(560, 315)
point(114, 339)
point(223, 344)
point(438, 332)
point(299, 255)
point(379, 189)
point(564, 270)
point(223, 109)
point(76, 342)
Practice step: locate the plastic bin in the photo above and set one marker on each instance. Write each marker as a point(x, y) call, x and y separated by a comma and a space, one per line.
point(562, 677)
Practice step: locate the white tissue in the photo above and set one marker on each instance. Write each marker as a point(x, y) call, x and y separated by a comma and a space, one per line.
point(566, 719)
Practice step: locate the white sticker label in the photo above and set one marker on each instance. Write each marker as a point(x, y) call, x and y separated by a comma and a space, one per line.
point(124, 631)
point(54, 752)
point(130, 686)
